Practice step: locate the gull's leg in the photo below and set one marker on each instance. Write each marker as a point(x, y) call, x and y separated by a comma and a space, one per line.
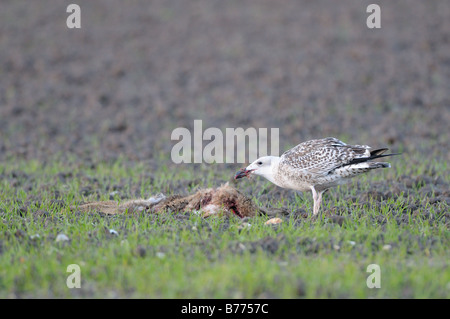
point(317, 197)
point(319, 200)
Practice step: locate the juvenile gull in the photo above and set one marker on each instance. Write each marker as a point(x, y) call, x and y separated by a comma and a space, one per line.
point(316, 165)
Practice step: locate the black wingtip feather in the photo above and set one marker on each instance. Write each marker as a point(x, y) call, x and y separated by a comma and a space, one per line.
point(372, 156)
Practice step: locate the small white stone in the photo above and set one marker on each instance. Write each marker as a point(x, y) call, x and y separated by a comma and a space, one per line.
point(160, 255)
point(61, 237)
point(352, 243)
point(387, 247)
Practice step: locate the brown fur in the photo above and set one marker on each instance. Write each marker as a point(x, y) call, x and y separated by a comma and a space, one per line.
point(224, 200)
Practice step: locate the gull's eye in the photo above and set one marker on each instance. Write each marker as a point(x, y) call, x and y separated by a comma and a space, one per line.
point(259, 163)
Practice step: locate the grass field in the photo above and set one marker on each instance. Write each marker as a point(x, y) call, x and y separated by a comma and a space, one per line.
point(174, 255)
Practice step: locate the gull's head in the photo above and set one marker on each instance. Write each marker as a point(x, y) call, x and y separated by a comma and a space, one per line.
point(263, 166)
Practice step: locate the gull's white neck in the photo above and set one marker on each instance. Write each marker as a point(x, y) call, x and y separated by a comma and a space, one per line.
point(270, 172)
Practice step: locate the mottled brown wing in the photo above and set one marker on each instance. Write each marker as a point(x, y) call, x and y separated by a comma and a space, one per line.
point(308, 146)
point(322, 156)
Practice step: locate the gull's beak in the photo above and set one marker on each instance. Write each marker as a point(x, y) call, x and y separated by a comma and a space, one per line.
point(243, 172)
